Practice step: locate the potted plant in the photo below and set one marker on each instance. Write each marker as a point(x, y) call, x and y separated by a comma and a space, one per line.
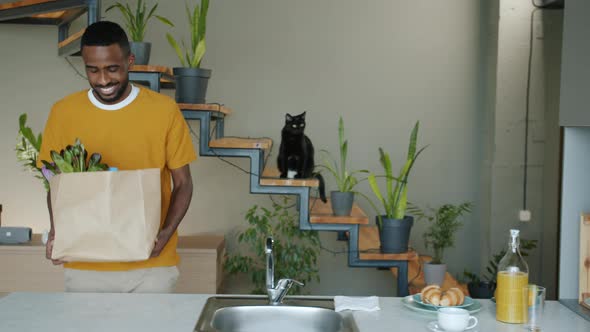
point(27, 149)
point(395, 225)
point(342, 198)
point(191, 79)
point(136, 24)
point(444, 222)
point(485, 286)
point(296, 253)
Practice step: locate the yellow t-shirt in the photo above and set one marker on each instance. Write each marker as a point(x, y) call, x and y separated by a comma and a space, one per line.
point(149, 132)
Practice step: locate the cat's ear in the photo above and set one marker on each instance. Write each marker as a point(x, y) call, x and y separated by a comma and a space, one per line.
point(303, 115)
point(289, 117)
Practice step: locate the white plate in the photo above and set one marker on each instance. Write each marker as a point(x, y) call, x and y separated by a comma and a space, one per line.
point(466, 303)
point(433, 326)
point(409, 303)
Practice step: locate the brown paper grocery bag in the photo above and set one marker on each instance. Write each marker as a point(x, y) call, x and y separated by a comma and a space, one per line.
point(105, 216)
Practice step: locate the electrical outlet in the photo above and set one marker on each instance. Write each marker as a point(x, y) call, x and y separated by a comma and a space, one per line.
point(524, 215)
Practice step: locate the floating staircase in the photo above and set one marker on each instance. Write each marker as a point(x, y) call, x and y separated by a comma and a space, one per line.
point(363, 239)
point(364, 245)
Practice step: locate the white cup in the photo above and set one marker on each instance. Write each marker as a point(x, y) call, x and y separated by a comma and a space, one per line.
point(455, 319)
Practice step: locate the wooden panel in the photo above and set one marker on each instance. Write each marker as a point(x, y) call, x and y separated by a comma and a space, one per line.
point(201, 264)
point(23, 3)
point(584, 277)
point(271, 177)
point(242, 143)
point(71, 38)
point(416, 276)
point(369, 246)
point(205, 107)
point(24, 267)
point(152, 69)
point(321, 213)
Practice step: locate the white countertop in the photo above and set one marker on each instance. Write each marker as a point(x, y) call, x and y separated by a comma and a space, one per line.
point(61, 312)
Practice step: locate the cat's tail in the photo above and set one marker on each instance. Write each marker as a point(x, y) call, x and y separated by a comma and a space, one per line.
point(322, 186)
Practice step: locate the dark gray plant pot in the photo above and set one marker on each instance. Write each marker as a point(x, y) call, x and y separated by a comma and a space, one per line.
point(481, 290)
point(394, 234)
point(191, 84)
point(434, 274)
point(341, 202)
point(142, 51)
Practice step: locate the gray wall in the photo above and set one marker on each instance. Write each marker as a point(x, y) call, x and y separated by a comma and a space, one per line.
point(575, 69)
point(382, 66)
point(574, 113)
point(527, 69)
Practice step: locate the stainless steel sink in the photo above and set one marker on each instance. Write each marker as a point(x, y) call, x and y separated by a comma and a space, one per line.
point(253, 314)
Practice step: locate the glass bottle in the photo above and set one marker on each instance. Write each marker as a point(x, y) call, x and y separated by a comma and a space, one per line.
point(512, 279)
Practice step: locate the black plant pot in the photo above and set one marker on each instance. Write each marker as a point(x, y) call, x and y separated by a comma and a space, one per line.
point(394, 234)
point(341, 202)
point(191, 84)
point(142, 51)
point(481, 290)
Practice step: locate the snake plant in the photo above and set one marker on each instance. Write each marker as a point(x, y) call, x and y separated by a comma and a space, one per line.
point(191, 57)
point(395, 199)
point(345, 179)
point(136, 21)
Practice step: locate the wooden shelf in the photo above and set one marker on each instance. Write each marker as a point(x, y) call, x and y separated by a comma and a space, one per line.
point(45, 15)
point(242, 143)
point(369, 246)
point(166, 80)
point(206, 108)
point(25, 268)
point(321, 213)
point(271, 177)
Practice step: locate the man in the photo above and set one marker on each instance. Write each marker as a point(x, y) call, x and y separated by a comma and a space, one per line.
point(133, 128)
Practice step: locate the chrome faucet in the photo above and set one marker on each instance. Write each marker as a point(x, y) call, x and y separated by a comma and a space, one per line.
point(275, 294)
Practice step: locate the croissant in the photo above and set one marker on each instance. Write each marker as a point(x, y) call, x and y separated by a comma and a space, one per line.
point(434, 295)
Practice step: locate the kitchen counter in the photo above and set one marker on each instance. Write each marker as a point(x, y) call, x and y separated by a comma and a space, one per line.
point(61, 312)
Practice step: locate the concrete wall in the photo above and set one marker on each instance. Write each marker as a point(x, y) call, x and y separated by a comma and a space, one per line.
point(527, 72)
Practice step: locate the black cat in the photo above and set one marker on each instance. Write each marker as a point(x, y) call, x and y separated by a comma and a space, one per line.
point(296, 153)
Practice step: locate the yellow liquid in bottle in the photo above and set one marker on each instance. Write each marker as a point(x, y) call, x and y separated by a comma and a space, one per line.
point(511, 297)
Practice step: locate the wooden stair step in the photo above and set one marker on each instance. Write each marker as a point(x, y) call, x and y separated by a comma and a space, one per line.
point(167, 78)
point(369, 246)
point(241, 143)
point(416, 276)
point(271, 177)
point(205, 108)
point(71, 45)
point(321, 213)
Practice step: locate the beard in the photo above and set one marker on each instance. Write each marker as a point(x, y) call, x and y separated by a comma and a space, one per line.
point(111, 99)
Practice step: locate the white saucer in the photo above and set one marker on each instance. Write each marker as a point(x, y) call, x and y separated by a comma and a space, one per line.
point(433, 326)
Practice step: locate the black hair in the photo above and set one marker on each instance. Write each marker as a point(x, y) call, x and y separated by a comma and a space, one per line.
point(105, 33)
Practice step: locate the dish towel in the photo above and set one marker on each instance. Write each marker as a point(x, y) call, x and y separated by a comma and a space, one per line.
point(370, 303)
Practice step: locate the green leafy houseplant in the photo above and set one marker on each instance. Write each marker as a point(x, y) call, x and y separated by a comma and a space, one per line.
point(295, 252)
point(444, 222)
point(191, 57)
point(345, 179)
point(27, 149)
point(492, 268)
point(136, 21)
point(395, 199)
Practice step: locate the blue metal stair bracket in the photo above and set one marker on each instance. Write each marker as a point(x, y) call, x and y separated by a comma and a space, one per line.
point(75, 8)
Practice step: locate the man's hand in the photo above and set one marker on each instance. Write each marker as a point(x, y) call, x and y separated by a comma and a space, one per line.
point(161, 241)
point(49, 250)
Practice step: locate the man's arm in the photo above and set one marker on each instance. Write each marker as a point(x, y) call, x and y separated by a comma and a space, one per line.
point(182, 193)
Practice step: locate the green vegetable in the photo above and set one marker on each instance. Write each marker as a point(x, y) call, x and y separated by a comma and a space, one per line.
point(73, 158)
